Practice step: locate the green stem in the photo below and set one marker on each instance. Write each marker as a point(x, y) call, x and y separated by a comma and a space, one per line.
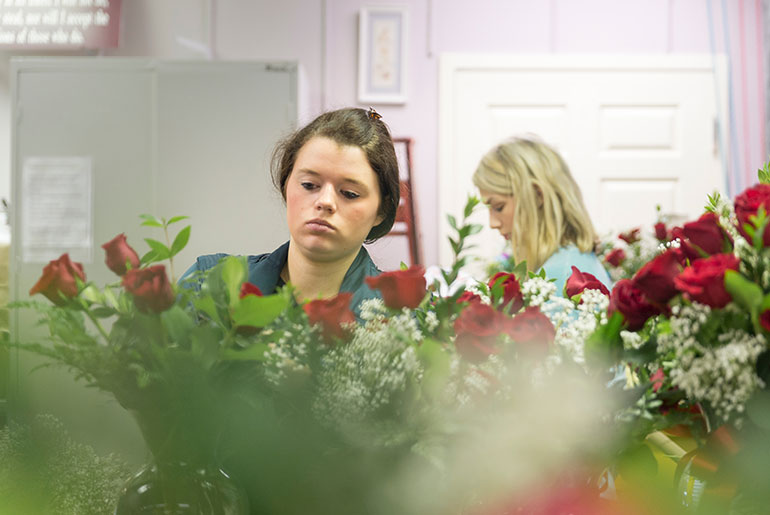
point(170, 258)
point(98, 325)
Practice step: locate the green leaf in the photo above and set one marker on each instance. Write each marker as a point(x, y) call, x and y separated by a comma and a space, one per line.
point(151, 221)
point(161, 251)
point(233, 275)
point(403, 266)
point(604, 346)
point(177, 323)
point(763, 174)
point(470, 205)
point(475, 229)
point(102, 312)
point(744, 292)
point(180, 241)
point(452, 221)
point(150, 257)
point(436, 363)
point(208, 306)
point(255, 352)
point(177, 219)
point(92, 294)
point(256, 311)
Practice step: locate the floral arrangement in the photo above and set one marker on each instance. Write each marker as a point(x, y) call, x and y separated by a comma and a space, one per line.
point(691, 328)
point(210, 365)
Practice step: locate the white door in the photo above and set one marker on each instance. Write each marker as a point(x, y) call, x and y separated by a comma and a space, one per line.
point(636, 131)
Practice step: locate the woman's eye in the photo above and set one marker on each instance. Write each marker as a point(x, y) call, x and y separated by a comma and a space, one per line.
point(350, 194)
point(498, 208)
point(307, 185)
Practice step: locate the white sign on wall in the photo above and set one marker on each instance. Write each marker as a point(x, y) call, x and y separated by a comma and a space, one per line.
point(57, 205)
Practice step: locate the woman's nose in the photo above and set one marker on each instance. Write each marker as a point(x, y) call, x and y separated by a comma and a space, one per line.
point(494, 222)
point(325, 200)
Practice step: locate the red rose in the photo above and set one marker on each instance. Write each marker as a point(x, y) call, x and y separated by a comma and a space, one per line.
point(118, 253)
point(747, 204)
point(631, 236)
point(764, 319)
point(579, 281)
point(706, 234)
point(468, 296)
point(401, 288)
point(249, 289)
point(657, 379)
point(656, 277)
point(661, 233)
point(686, 252)
point(511, 291)
point(615, 257)
point(531, 330)
point(704, 280)
point(150, 288)
point(477, 328)
point(331, 314)
point(58, 280)
point(631, 303)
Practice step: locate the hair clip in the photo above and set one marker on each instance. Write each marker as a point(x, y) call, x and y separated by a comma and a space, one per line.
point(373, 115)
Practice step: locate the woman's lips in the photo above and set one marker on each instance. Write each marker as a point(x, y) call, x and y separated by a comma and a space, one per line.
point(318, 225)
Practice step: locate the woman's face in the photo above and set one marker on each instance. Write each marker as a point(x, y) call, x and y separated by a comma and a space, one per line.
point(332, 199)
point(500, 211)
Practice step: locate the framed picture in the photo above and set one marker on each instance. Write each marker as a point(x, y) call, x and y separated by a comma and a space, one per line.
point(382, 54)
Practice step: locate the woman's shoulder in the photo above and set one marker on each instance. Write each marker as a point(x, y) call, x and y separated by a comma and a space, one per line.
point(559, 265)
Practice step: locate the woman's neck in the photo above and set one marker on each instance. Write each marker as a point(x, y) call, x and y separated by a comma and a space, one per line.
point(315, 279)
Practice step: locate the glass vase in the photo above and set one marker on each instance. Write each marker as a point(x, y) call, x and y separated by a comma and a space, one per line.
point(182, 488)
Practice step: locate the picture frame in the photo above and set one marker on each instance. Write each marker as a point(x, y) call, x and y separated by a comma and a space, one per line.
point(382, 50)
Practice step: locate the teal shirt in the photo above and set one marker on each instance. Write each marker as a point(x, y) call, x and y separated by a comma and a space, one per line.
point(265, 273)
point(559, 266)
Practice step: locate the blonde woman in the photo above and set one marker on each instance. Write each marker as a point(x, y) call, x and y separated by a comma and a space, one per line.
point(535, 204)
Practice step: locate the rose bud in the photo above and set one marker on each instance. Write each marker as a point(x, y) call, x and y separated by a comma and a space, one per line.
point(150, 288)
point(631, 303)
point(250, 289)
point(531, 330)
point(477, 329)
point(118, 253)
point(579, 281)
point(631, 236)
point(58, 280)
point(704, 280)
point(764, 319)
point(615, 257)
point(656, 277)
point(468, 296)
point(748, 203)
point(661, 233)
point(332, 314)
point(512, 294)
point(401, 288)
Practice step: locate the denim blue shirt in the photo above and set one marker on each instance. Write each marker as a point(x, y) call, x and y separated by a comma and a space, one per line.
point(559, 266)
point(265, 273)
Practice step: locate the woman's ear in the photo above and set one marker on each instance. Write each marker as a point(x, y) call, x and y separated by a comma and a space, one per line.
point(380, 218)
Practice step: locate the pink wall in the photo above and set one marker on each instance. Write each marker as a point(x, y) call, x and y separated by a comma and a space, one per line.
point(323, 36)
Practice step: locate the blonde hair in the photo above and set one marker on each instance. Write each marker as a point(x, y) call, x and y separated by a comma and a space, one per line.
point(549, 212)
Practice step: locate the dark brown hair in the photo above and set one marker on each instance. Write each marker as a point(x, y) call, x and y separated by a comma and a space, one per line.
point(353, 127)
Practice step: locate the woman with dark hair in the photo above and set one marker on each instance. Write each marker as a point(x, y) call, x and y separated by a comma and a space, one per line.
point(338, 176)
